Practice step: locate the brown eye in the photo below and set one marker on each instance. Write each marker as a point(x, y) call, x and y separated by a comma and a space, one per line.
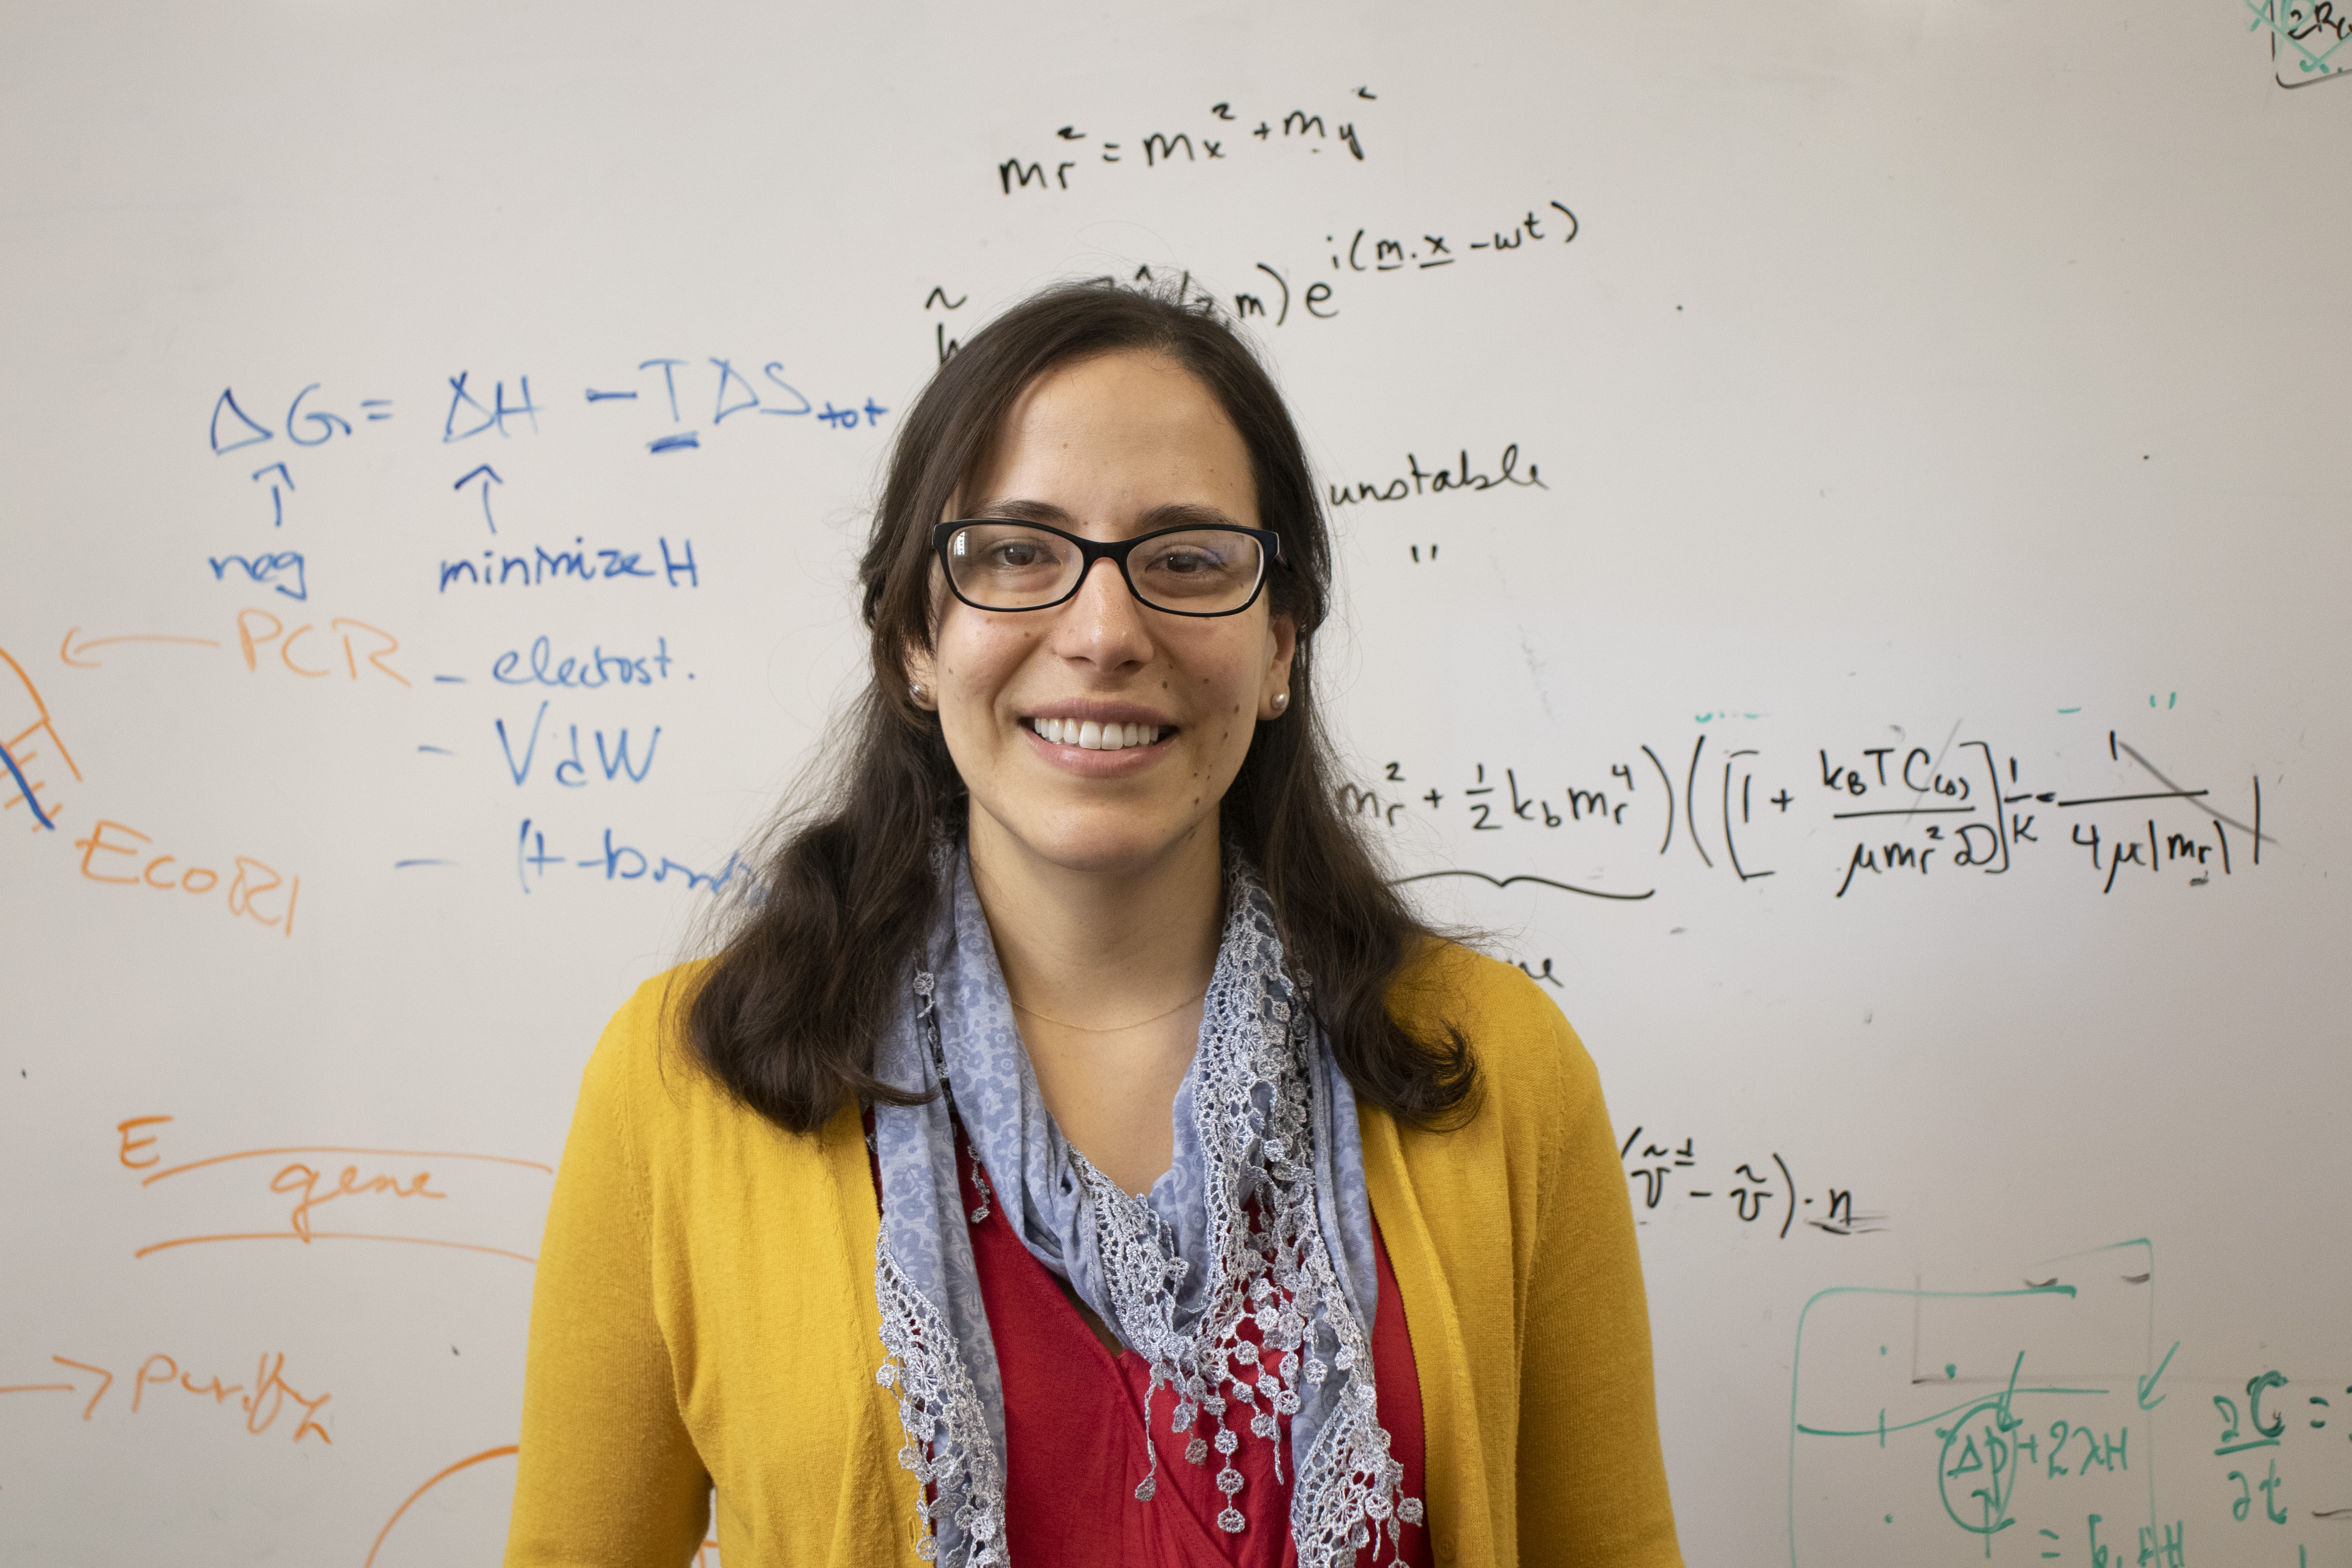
point(1011, 566)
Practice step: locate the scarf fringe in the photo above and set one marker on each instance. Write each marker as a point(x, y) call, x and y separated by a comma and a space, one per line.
point(948, 1445)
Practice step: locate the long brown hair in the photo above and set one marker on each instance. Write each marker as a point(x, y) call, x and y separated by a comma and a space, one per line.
point(814, 969)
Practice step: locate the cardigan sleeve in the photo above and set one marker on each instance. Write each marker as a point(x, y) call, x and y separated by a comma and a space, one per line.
point(1592, 1481)
point(607, 1477)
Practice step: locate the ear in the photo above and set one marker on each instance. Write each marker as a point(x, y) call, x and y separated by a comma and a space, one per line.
point(922, 688)
point(1282, 639)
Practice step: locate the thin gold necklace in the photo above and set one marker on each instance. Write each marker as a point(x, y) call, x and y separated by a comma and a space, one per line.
point(1116, 1028)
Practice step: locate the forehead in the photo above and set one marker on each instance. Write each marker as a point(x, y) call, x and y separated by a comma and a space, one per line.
point(1108, 437)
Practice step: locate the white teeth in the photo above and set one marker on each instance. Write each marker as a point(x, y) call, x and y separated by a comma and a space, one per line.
point(1095, 737)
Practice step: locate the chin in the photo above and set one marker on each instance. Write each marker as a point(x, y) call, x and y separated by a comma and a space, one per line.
point(1108, 841)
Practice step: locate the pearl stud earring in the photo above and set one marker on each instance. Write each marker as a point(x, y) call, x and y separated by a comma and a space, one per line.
point(916, 692)
point(1281, 700)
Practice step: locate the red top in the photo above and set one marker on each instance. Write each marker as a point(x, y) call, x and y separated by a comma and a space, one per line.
point(1074, 1430)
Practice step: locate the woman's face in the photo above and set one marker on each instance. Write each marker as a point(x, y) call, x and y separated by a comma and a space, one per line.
point(1103, 448)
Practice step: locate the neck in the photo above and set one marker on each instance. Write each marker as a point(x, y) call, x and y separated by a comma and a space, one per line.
point(1101, 949)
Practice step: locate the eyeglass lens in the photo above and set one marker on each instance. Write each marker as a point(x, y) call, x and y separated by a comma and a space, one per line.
point(1015, 566)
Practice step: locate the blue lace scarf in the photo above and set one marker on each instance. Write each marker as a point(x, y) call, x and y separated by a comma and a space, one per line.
point(1265, 1125)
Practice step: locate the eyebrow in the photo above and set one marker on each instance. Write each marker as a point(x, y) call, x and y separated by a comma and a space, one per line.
point(1173, 514)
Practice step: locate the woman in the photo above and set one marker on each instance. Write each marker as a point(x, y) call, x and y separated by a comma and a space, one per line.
point(1079, 1154)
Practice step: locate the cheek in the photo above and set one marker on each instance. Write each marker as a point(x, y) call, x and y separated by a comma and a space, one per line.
point(1225, 699)
point(1225, 679)
point(976, 659)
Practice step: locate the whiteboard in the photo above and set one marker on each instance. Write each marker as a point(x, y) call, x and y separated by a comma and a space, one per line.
point(1857, 488)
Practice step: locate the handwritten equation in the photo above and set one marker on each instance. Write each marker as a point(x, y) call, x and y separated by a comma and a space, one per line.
point(1286, 289)
point(1893, 815)
point(663, 406)
point(288, 641)
point(1753, 1191)
point(1225, 132)
point(2257, 1427)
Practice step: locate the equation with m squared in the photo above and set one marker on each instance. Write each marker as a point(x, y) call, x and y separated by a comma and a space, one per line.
point(1848, 818)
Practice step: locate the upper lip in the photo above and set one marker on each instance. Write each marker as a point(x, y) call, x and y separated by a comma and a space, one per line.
point(1084, 710)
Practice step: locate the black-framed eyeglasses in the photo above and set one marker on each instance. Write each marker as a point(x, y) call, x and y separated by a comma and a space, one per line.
point(1001, 563)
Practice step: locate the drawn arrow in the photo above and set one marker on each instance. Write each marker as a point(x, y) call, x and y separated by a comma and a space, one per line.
point(67, 651)
point(489, 476)
point(2148, 1382)
point(276, 502)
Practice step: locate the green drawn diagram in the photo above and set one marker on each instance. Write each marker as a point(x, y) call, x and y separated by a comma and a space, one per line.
point(2307, 39)
point(2049, 1424)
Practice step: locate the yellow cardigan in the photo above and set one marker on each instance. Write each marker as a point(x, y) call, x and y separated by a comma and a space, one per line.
point(704, 1315)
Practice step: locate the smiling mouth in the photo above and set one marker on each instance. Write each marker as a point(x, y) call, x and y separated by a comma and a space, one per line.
point(1089, 736)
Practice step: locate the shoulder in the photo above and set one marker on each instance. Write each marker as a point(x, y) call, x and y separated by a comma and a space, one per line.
point(696, 1146)
point(1523, 1045)
point(644, 1052)
point(648, 1080)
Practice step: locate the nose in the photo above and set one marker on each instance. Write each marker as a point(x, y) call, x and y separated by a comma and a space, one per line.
point(1103, 625)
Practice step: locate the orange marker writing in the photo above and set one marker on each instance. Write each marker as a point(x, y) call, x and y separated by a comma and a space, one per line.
point(95, 842)
point(21, 745)
point(147, 1374)
point(131, 1145)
